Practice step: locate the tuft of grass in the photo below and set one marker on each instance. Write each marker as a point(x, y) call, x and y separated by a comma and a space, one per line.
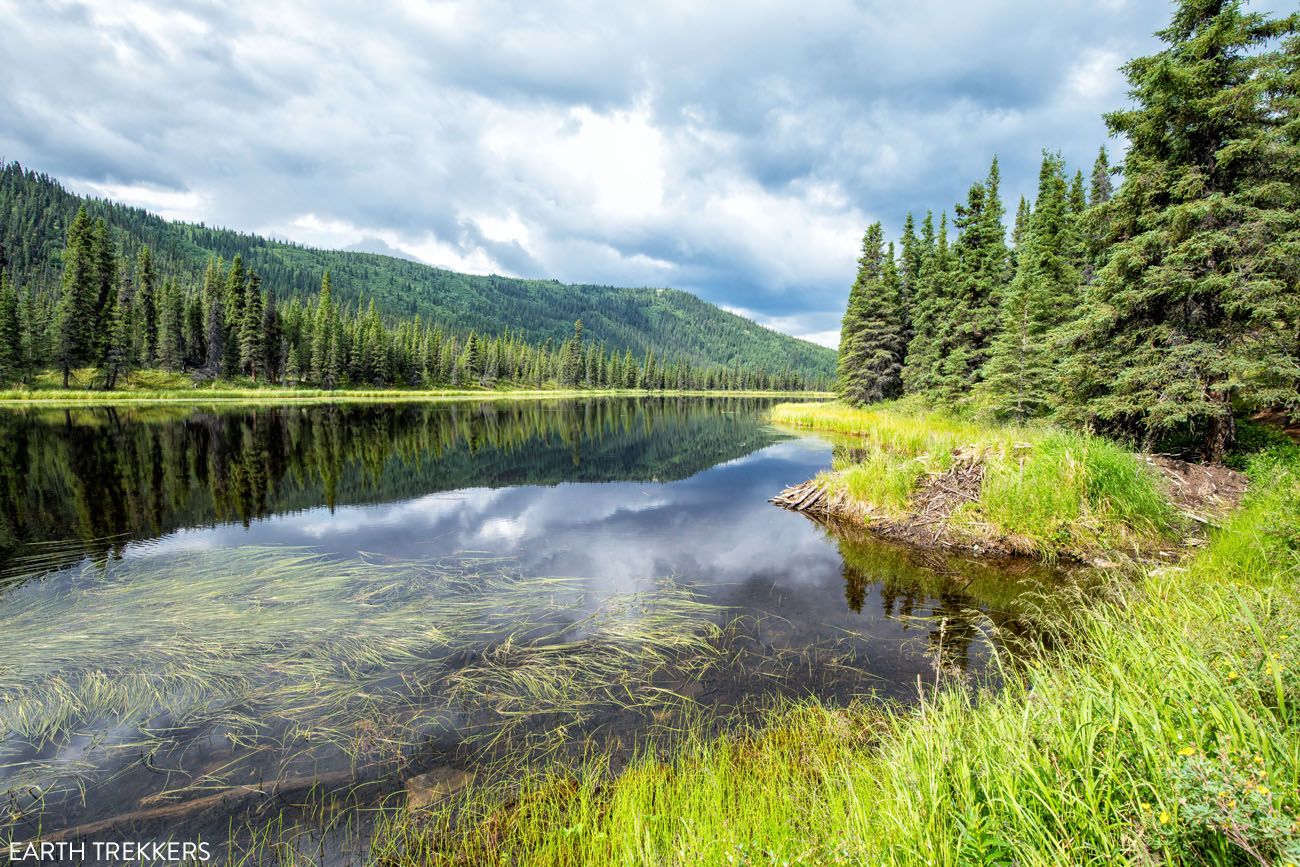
point(1164, 728)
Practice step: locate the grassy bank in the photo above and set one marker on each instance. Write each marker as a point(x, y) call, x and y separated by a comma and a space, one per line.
point(1165, 732)
point(1035, 489)
point(162, 387)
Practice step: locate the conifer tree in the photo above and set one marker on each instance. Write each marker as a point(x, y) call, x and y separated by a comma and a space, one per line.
point(1020, 376)
point(12, 361)
point(104, 255)
point(321, 330)
point(252, 340)
point(1194, 315)
point(146, 305)
point(171, 330)
point(571, 370)
point(930, 300)
point(1101, 185)
point(909, 272)
point(871, 337)
point(214, 325)
point(236, 291)
point(75, 315)
point(969, 320)
point(120, 344)
point(273, 357)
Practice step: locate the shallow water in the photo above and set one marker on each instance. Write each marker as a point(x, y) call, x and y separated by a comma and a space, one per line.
point(210, 600)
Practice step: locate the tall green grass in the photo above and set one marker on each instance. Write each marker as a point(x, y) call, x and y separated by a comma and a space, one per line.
point(1046, 490)
point(1163, 730)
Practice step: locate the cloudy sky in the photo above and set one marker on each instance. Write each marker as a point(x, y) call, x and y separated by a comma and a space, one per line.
point(734, 149)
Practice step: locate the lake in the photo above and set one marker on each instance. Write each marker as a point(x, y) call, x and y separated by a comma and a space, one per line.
point(210, 610)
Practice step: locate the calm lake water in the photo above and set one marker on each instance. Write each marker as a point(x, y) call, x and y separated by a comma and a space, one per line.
point(216, 601)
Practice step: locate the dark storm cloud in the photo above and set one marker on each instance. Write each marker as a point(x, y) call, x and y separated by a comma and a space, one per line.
point(733, 149)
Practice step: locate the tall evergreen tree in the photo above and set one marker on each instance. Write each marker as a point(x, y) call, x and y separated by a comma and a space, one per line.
point(930, 299)
point(236, 290)
point(321, 331)
point(1101, 185)
point(146, 305)
point(273, 351)
point(104, 254)
point(1195, 313)
point(252, 339)
point(969, 321)
point(1020, 376)
point(871, 336)
point(122, 339)
point(75, 315)
point(12, 360)
point(171, 328)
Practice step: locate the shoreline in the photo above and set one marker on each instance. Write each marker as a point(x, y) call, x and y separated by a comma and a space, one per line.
point(273, 395)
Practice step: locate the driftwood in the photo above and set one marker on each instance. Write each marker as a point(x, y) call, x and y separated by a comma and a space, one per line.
point(183, 808)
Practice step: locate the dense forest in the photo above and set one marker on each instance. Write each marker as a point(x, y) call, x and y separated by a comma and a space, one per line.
point(1153, 308)
point(52, 240)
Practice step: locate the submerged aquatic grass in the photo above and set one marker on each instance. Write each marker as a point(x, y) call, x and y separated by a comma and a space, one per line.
point(1164, 728)
point(273, 661)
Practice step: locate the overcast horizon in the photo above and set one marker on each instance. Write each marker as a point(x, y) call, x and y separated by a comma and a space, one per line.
point(736, 152)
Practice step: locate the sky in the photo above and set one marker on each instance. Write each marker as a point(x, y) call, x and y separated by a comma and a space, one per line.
point(737, 150)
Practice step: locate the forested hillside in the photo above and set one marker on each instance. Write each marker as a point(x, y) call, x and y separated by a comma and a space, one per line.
point(36, 213)
point(1155, 310)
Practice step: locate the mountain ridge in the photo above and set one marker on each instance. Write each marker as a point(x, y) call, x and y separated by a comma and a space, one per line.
point(35, 210)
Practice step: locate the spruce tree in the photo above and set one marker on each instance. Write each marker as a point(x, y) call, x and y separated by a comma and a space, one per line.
point(252, 339)
point(1194, 314)
point(236, 290)
point(12, 361)
point(104, 255)
point(969, 320)
point(321, 330)
point(273, 353)
point(75, 314)
point(214, 324)
point(930, 300)
point(1101, 186)
point(871, 337)
point(171, 328)
point(1020, 377)
point(146, 306)
point(120, 345)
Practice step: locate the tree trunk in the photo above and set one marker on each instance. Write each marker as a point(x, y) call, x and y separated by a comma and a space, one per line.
point(1222, 432)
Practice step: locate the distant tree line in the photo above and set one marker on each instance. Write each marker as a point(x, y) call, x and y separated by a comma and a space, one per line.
point(36, 213)
point(116, 317)
point(1155, 309)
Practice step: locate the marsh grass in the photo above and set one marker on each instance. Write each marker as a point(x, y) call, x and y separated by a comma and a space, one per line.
point(1164, 729)
point(1052, 491)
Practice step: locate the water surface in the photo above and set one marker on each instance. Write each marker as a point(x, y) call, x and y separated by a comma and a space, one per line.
point(208, 600)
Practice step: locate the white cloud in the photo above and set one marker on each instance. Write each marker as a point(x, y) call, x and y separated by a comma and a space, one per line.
point(732, 149)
